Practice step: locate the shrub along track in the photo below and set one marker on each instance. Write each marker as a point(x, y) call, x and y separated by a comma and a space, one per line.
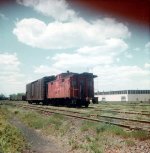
point(130, 124)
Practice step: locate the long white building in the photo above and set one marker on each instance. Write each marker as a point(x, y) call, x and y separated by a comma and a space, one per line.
point(124, 95)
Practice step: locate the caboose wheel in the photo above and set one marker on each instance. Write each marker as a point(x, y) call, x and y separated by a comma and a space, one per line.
point(86, 105)
point(37, 103)
point(30, 102)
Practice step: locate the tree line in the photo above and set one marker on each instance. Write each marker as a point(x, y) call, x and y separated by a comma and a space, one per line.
point(18, 96)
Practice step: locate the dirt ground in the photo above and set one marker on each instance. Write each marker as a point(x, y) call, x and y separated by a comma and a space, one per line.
point(37, 143)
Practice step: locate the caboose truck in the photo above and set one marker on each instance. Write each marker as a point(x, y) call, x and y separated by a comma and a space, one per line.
point(69, 89)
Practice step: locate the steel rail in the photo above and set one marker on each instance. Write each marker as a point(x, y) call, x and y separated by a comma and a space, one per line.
point(126, 112)
point(84, 118)
point(105, 116)
point(127, 119)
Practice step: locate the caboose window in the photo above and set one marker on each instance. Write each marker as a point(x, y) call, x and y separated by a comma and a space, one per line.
point(74, 84)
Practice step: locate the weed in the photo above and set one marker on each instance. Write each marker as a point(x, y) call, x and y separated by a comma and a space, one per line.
point(95, 147)
point(118, 131)
point(86, 126)
point(56, 125)
point(35, 120)
point(16, 112)
point(129, 143)
point(11, 140)
point(101, 128)
point(64, 128)
point(141, 135)
point(56, 120)
point(89, 138)
point(74, 144)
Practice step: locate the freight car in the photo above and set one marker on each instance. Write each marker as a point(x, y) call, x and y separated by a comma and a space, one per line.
point(70, 89)
point(17, 97)
point(36, 91)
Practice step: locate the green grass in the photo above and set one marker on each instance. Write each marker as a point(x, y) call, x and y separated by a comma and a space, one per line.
point(94, 144)
point(74, 144)
point(58, 125)
point(141, 135)
point(115, 130)
point(95, 148)
point(100, 138)
point(11, 139)
point(54, 124)
point(100, 128)
point(129, 143)
point(86, 126)
point(86, 136)
point(34, 120)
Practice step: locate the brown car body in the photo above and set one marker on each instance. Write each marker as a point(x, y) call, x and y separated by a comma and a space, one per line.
point(64, 89)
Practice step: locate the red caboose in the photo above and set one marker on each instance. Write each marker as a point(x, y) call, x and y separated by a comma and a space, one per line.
point(71, 89)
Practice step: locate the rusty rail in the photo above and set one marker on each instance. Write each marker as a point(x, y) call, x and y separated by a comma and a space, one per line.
point(55, 111)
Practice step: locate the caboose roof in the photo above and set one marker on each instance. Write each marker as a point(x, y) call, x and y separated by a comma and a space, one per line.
point(63, 75)
point(43, 78)
point(68, 74)
point(88, 74)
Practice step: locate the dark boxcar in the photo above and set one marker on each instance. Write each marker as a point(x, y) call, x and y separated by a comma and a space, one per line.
point(21, 97)
point(36, 91)
point(71, 89)
point(18, 97)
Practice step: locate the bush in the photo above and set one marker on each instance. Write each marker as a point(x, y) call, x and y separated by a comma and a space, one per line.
point(101, 128)
point(142, 135)
point(35, 120)
point(11, 140)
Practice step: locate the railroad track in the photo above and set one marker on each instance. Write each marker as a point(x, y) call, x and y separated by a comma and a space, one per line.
point(147, 113)
point(118, 110)
point(99, 118)
point(105, 116)
point(131, 104)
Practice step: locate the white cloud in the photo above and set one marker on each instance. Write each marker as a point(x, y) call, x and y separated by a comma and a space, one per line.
point(147, 65)
point(11, 79)
point(9, 62)
point(99, 45)
point(111, 47)
point(136, 49)
point(77, 61)
point(58, 9)
point(85, 58)
point(46, 70)
point(147, 45)
point(110, 77)
point(128, 55)
point(77, 33)
point(121, 77)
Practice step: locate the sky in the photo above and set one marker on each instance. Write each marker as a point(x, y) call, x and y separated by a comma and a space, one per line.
point(46, 37)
